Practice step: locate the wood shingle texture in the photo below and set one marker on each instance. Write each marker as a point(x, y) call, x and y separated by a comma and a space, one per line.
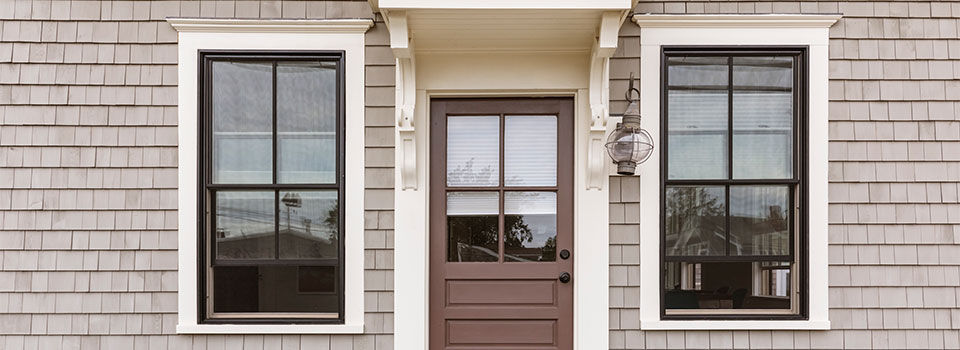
point(88, 175)
point(894, 197)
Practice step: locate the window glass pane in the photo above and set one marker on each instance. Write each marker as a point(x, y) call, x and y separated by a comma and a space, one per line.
point(473, 226)
point(763, 117)
point(308, 224)
point(530, 150)
point(245, 225)
point(306, 122)
point(695, 221)
point(726, 285)
point(242, 106)
point(267, 288)
point(473, 151)
point(530, 226)
point(697, 105)
point(759, 220)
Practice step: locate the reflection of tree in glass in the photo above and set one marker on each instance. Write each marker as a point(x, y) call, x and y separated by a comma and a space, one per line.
point(692, 214)
point(332, 222)
point(466, 175)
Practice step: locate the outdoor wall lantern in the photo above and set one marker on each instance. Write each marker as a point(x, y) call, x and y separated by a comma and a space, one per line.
point(629, 144)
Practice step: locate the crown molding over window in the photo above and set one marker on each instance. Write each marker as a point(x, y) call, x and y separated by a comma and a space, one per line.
point(736, 21)
point(231, 25)
point(808, 31)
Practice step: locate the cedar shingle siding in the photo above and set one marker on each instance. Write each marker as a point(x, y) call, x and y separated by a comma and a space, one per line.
point(88, 176)
point(894, 170)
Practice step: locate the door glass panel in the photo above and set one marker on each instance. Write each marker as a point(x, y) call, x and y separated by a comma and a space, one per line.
point(530, 150)
point(695, 221)
point(242, 122)
point(759, 220)
point(245, 225)
point(306, 122)
point(530, 226)
point(473, 225)
point(697, 128)
point(473, 151)
point(763, 117)
point(308, 224)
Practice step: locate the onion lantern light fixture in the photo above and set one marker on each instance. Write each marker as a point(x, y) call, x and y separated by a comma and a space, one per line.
point(629, 144)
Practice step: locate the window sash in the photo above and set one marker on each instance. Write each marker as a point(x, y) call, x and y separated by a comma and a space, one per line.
point(207, 250)
point(796, 184)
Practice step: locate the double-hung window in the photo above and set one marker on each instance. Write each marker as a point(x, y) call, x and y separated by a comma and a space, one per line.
point(271, 187)
point(733, 186)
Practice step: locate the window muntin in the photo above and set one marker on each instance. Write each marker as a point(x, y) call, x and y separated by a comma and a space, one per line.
point(730, 182)
point(272, 186)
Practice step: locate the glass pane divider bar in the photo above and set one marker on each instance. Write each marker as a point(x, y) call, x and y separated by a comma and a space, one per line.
point(501, 188)
point(272, 187)
point(726, 258)
point(275, 262)
point(721, 182)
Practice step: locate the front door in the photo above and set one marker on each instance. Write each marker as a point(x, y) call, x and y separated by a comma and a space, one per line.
point(501, 225)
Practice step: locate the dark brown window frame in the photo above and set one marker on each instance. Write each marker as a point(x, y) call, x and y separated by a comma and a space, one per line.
point(207, 189)
point(798, 194)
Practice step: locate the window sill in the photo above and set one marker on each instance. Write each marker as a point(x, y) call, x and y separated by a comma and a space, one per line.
point(270, 329)
point(735, 325)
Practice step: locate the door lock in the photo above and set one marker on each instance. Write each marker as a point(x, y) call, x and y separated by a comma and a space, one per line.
point(564, 277)
point(564, 254)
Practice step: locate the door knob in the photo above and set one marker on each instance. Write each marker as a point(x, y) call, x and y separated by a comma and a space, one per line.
point(564, 277)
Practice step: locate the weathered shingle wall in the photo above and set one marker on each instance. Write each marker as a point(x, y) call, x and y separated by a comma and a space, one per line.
point(88, 175)
point(894, 172)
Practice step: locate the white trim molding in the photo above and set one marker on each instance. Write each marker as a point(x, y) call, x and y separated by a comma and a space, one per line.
point(406, 89)
point(232, 34)
point(603, 49)
point(811, 31)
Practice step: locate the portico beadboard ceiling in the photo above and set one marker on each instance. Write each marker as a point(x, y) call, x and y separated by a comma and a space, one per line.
point(504, 30)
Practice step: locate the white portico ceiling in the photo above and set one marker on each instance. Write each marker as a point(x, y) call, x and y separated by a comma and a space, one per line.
point(504, 30)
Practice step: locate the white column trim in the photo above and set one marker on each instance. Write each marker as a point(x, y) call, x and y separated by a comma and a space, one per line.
point(811, 31)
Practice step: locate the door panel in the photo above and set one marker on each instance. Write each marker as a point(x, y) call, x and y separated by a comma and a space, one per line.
point(501, 207)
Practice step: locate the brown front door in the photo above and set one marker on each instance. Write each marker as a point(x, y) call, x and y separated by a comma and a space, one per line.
point(501, 224)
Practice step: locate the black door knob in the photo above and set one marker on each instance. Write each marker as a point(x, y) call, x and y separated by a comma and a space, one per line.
point(564, 254)
point(564, 277)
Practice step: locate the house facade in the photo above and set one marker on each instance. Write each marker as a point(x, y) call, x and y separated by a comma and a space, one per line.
point(418, 174)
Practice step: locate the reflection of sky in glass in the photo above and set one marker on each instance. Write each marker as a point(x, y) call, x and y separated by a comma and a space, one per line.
point(244, 214)
point(306, 122)
point(539, 212)
point(313, 213)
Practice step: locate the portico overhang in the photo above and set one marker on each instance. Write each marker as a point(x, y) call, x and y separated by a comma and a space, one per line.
point(507, 27)
point(500, 48)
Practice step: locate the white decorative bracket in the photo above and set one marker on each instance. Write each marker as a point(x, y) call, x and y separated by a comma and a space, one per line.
point(603, 49)
point(405, 97)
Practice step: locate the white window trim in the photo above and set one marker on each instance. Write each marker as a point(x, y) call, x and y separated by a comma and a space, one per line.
point(230, 34)
point(811, 31)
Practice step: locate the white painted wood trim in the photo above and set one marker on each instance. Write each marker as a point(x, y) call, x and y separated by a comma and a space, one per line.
point(232, 37)
point(745, 30)
point(494, 75)
point(232, 25)
point(735, 21)
point(506, 4)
